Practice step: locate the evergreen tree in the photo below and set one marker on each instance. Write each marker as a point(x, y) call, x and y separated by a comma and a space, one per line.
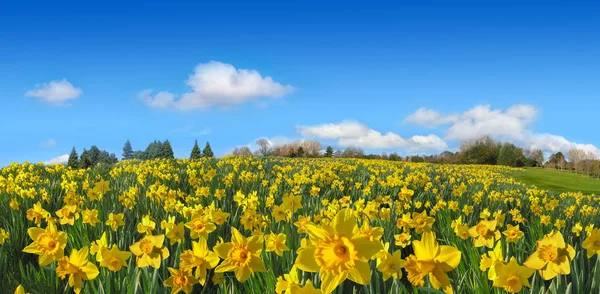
point(328, 152)
point(195, 155)
point(207, 152)
point(167, 151)
point(300, 152)
point(127, 151)
point(73, 159)
point(85, 160)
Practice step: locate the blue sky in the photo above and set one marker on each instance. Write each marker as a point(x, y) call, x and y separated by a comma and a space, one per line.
point(387, 76)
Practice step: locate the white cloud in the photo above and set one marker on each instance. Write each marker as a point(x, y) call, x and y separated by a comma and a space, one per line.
point(344, 129)
point(512, 124)
point(479, 121)
point(554, 143)
point(49, 143)
point(58, 160)
point(350, 133)
point(55, 92)
point(217, 84)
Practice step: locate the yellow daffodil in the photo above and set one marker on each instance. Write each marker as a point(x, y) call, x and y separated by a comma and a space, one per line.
point(390, 265)
point(78, 268)
point(433, 260)
point(402, 239)
point(241, 255)
point(591, 244)
point(336, 253)
point(48, 243)
point(200, 226)
point(484, 233)
point(146, 226)
point(176, 233)
point(552, 256)
point(4, 235)
point(115, 220)
point(513, 234)
point(200, 258)
point(98, 246)
point(114, 259)
point(90, 216)
point(421, 222)
point(68, 214)
point(20, 290)
point(512, 277)
point(150, 251)
point(275, 243)
point(490, 260)
point(180, 280)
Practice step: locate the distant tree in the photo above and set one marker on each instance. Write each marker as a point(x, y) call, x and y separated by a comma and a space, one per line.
point(328, 152)
point(384, 156)
point(263, 145)
point(481, 151)
point(353, 152)
point(139, 154)
point(510, 155)
point(94, 154)
point(85, 160)
point(338, 154)
point(167, 151)
point(207, 152)
point(417, 158)
point(300, 152)
point(127, 151)
point(73, 159)
point(534, 157)
point(242, 151)
point(195, 155)
point(394, 157)
point(576, 156)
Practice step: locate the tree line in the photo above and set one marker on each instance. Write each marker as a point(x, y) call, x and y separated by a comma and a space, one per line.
point(154, 150)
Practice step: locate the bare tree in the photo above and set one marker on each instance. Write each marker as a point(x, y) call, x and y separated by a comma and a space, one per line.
point(242, 151)
point(263, 146)
point(576, 156)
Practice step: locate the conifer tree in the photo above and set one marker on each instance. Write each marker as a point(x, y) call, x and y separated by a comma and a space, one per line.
point(73, 159)
point(195, 155)
point(207, 151)
point(127, 151)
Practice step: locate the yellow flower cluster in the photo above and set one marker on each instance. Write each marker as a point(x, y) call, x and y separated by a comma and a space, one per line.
point(298, 225)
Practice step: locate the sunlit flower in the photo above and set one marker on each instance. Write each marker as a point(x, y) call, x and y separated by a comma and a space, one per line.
point(591, 244)
point(552, 256)
point(241, 255)
point(48, 243)
point(180, 280)
point(199, 258)
point(513, 234)
point(78, 268)
point(512, 277)
point(276, 243)
point(150, 251)
point(433, 260)
point(114, 259)
point(336, 253)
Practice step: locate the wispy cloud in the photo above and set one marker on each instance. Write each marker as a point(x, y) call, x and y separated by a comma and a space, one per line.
point(48, 143)
point(58, 160)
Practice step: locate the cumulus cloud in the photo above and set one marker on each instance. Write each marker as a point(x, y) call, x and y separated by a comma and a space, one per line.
point(55, 92)
point(217, 84)
point(58, 160)
point(351, 133)
point(49, 143)
point(554, 143)
point(512, 124)
point(479, 121)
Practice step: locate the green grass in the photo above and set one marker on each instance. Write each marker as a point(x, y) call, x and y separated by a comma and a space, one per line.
point(558, 180)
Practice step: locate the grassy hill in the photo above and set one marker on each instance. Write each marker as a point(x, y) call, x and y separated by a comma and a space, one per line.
point(557, 180)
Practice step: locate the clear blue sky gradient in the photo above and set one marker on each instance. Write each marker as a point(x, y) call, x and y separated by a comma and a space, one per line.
point(375, 62)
